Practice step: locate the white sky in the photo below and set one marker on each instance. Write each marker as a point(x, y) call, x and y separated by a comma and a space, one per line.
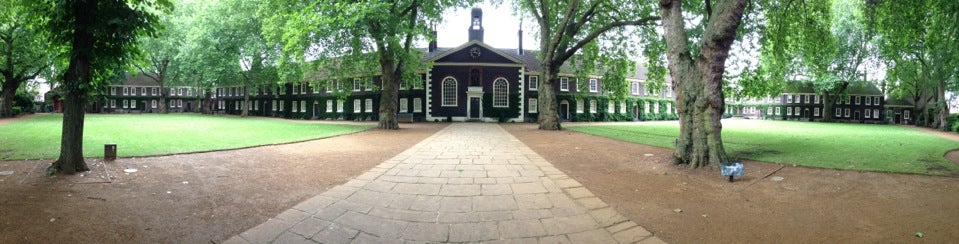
point(498, 22)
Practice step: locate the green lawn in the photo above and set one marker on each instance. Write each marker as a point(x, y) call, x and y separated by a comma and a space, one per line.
point(155, 134)
point(885, 148)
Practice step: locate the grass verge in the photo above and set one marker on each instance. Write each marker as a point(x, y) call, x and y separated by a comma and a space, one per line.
point(883, 148)
point(157, 134)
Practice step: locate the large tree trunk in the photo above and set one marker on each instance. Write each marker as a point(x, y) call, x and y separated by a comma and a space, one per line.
point(389, 92)
point(827, 107)
point(548, 116)
point(700, 99)
point(942, 106)
point(163, 94)
point(76, 80)
point(246, 102)
point(10, 87)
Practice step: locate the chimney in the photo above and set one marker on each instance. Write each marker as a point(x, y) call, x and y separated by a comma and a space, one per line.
point(476, 26)
point(520, 33)
point(432, 46)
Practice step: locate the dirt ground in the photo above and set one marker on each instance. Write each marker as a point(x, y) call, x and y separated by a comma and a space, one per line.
point(807, 206)
point(191, 198)
point(208, 197)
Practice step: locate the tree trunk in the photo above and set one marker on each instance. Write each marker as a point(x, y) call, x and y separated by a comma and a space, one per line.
point(162, 98)
point(246, 101)
point(75, 82)
point(548, 116)
point(389, 92)
point(942, 106)
point(700, 99)
point(10, 87)
point(827, 107)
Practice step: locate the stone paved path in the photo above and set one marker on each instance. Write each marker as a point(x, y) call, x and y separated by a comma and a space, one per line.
point(470, 182)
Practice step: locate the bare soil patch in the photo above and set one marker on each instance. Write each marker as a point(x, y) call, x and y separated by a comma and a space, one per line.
point(190, 198)
point(807, 206)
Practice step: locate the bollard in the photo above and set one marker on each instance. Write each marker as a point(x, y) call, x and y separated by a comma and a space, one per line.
point(109, 151)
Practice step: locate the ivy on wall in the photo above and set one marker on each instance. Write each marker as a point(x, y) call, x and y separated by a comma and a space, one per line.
point(501, 114)
point(634, 106)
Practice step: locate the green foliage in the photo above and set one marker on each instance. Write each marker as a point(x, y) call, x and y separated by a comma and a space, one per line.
point(165, 134)
point(501, 114)
point(666, 109)
point(881, 148)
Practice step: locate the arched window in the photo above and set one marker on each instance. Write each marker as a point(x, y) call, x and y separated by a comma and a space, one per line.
point(500, 93)
point(449, 91)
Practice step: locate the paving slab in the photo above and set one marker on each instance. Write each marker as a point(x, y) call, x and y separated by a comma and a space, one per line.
point(470, 182)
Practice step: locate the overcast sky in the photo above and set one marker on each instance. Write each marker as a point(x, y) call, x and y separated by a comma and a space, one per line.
point(498, 22)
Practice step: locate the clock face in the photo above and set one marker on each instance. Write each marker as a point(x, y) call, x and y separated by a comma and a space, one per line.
point(475, 52)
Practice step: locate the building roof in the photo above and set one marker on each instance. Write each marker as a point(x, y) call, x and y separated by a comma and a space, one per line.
point(855, 88)
point(899, 102)
point(140, 79)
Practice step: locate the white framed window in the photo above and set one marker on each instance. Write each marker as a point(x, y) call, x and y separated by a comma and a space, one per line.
point(533, 106)
point(647, 107)
point(153, 91)
point(133, 103)
point(622, 107)
point(296, 106)
point(868, 101)
point(153, 104)
point(179, 103)
point(593, 85)
point(449, 92)
point(858, 100)
point(778, 110)
point(533, 83)
point(847, 100)
point(296, 89)
point(369, 105)
point(579, 106)
point(564, 84)
point(875, 114)
point(634, 88)
point(846, 113)
point(789, 98)
point(274, 104)
point(769, 110)
point(867, 113)
point(500, 93)
point(126, 103)
point(282, 105)
point(592, 106)
point(256, 105)
point(330, 86)
point(905, 114)
point(610, 107)
point(339, 106)
point(329, 106)
point(357, 105)
point(357, 84)
point(302, 106)
point(668, 91)
point(417, 105)
point(236, 105)
point(875, 100)
point(656, 108)
point(179, 92)
point(126, 91)
point(669, 108)
point(789, 111)
point(113, 103)
point(815, 112)
point(404, 105)
point(838, 112)
point(113, 90)
point(404, 84)
point(816, 98)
